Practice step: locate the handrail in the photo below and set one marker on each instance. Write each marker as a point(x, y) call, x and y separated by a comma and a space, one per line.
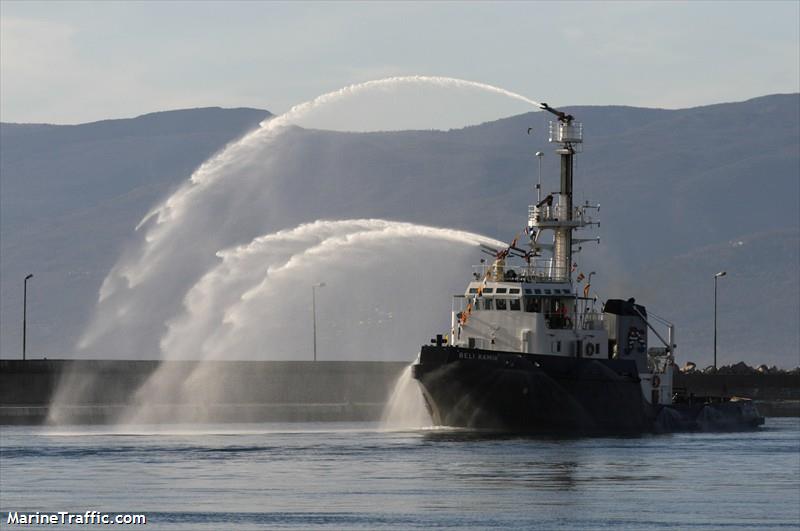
point(543, 271)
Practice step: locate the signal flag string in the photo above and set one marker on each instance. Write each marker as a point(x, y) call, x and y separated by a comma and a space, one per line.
point(473, 303)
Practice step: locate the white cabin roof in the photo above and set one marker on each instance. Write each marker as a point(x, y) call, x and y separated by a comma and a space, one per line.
point(517, 289)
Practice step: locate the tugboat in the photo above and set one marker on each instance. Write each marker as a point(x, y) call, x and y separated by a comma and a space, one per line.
point(528, 350)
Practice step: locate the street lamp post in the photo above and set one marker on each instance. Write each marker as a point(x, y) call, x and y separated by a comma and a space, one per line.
point(314, 313)
point(25, 314)
point(720, 274)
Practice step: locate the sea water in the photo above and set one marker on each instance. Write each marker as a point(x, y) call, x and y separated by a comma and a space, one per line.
point(358, 476)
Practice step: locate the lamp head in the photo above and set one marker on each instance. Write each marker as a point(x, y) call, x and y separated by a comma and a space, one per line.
point(721, 274)
point(30, 276)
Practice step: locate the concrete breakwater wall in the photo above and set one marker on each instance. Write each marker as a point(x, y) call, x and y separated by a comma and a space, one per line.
point(247, 391)
point(243, 391)
point(780, 386)
point(775, 395)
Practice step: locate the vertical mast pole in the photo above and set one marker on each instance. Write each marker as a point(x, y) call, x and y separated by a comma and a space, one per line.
point(565, 201)
point(539, 156)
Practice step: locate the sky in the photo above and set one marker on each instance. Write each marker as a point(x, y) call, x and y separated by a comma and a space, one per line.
point(74, 62)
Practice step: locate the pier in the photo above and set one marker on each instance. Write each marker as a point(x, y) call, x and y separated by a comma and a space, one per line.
point(253, 391)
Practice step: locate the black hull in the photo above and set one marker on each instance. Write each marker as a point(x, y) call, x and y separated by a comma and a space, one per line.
point(508, 391)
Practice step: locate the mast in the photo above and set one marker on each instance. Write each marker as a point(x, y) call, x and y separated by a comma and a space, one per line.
point(569, 134)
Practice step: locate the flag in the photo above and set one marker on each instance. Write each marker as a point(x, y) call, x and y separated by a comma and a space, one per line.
point(574, 267)
point(580, 277)
point(586, 290)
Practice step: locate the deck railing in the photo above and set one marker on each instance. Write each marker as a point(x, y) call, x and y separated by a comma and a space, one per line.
point(558, 213)
point(542, 271)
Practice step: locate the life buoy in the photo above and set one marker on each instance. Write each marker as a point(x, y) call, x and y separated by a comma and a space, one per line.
point(656, 381)
point(589, 349)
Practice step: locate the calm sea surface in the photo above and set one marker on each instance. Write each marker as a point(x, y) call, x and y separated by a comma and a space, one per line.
point(354, 476)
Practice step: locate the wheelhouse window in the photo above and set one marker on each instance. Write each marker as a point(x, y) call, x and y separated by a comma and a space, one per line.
point(487, 304)
point(488, 290)
point(473, 290)
point(514, 291)
point(501, 304)
point(533, 305)
point(513, 305)
point(501, 290)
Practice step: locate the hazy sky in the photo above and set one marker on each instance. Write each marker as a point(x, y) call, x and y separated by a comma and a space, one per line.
point(69, 62)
